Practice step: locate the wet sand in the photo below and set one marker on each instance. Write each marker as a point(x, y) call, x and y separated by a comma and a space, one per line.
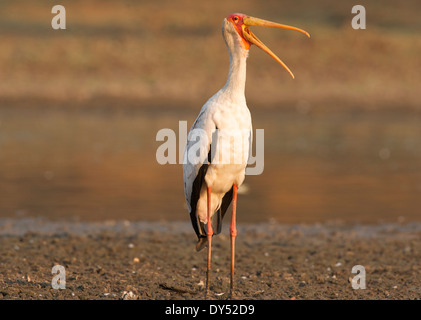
point(157, 260)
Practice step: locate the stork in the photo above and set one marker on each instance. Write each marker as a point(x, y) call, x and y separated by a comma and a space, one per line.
point(211, 185)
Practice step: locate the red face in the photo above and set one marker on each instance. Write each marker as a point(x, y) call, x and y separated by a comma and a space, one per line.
point(241, 23)
point(237, 21)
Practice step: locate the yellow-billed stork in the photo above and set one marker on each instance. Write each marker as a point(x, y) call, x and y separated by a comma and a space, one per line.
point(211, 185)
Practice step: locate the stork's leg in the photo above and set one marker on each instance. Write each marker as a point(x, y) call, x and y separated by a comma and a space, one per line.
point(233, 233)
point(209, 233)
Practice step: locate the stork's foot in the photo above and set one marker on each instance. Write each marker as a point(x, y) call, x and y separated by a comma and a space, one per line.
point(231, 292)
point(207, 284)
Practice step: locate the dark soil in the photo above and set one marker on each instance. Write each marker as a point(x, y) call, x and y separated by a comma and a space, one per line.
point(123, 260)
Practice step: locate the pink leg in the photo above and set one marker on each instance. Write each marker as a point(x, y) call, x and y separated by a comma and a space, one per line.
point(233, 233)
point(209, 233)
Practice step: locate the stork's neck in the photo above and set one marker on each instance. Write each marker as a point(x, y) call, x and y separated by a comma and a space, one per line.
point(236, 82)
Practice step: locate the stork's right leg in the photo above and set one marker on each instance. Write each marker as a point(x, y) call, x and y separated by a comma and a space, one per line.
point(233, 232)
point(209, 233)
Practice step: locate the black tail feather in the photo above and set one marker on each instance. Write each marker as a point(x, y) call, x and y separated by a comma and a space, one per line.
point(201, 243)
point(216, 222)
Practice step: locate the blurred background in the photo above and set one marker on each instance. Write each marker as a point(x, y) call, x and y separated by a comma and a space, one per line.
point(80, 108)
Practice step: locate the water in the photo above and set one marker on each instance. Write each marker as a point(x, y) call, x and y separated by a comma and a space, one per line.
point(100, 164)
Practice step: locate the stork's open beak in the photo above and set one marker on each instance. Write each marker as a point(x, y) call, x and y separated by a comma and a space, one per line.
point(249, 36)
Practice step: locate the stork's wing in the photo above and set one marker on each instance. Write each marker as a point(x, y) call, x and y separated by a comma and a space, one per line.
point(196, 162)
point(197, 157)
point(196, 154)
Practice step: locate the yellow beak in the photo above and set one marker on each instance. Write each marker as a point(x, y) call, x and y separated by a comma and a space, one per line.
point(249, 36)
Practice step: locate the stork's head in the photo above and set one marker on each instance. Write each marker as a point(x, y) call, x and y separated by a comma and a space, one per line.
point(237, 25)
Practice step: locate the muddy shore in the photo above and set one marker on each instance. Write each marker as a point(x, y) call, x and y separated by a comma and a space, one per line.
point(157, 260)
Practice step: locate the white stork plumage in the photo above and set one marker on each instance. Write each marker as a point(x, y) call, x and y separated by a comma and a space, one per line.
point(210, 185)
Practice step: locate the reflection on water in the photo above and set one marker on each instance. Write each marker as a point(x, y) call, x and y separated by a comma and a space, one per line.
point(347, 165)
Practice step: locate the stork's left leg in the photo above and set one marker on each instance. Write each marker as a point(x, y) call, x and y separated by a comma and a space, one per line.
point(209, 233)
point(233, 233)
